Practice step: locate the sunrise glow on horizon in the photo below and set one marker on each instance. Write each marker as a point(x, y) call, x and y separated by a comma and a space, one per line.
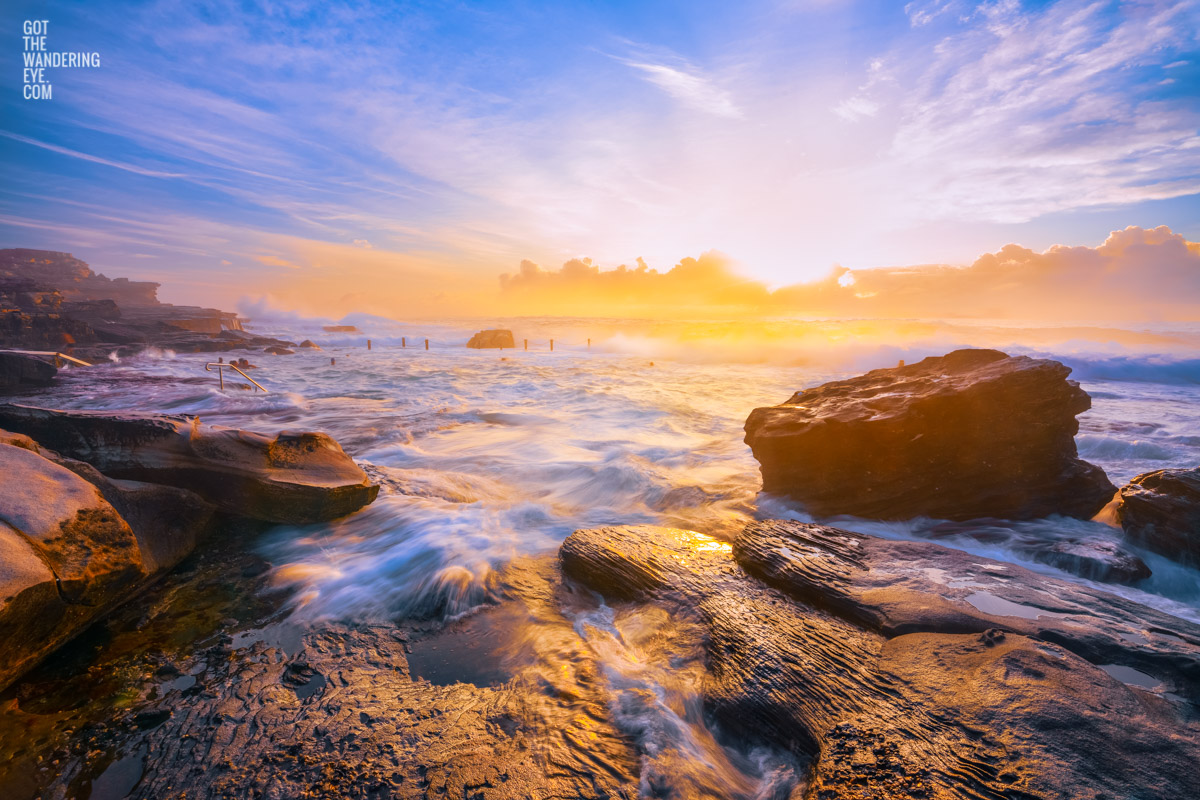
point(400, 160)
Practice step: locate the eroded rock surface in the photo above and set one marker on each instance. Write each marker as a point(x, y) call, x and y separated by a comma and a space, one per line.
point(974, 433)
point(1161, 511)
point(336, 712)
point(871, 658)
point(292, 477)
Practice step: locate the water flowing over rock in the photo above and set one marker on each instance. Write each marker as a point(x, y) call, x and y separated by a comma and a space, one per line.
point(974, 433)
point(909, 670)
point(292, 477)
point(1088, 554)
point(492, 339)
point(1161, 511)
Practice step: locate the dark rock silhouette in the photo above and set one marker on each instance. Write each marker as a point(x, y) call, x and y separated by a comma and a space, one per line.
point(1160, 511)
point(974, 433)
point(22, 370)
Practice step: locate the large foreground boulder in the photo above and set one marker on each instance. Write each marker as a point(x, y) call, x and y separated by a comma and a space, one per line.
point(74, 544)
point(974, 433)
point(492, 339)
point(908, 670)
point(66, 556)
point(291, 477)
point(1161, 511)
point(21, 370)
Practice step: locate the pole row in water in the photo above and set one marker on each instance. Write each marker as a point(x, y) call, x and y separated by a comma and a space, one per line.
point(404, 344)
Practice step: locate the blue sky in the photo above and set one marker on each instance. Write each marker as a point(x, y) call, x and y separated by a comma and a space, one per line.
point(389, 155)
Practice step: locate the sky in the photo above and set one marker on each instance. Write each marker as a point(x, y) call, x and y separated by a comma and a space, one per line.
point(401, 158)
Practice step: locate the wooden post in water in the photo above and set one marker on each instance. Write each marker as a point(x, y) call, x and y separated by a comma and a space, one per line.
point(426, 344)
point(526, 344)
point(589, 344)
point(551, 345)
point(332, 362)
point(402, 342)
point(368, 344)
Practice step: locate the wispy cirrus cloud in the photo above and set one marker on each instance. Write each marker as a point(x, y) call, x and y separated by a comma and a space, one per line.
point(108, 162)
point(690, 88)
point(1020, 115)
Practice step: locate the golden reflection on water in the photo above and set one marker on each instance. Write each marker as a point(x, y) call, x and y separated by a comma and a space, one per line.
point(703, 543)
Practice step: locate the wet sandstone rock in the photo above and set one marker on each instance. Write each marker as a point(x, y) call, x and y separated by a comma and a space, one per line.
point(1161, 511)
point(292, 477)
point(338, 713)
point(871, 658)
point(20, 370)
point(66, 556)
point(491, 339)
point(974, 433)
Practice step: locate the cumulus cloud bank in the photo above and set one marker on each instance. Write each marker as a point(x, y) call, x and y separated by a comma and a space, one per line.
point(1136, 274)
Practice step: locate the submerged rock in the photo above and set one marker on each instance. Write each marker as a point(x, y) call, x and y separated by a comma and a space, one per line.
point(492, 339)
point(22, 370)
point(1094, 559)
point(292, 477)
point(1086, 554)
point(1161, 511)
point(905, 669)
point(974, 433)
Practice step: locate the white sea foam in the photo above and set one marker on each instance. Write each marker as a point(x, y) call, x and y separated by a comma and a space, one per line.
point(486, 455)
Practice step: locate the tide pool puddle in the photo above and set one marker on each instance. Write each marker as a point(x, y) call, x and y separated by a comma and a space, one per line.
point(1133, 677)
point(477, 649)
point(989, 603)
point(119, 779)
point(287, 636)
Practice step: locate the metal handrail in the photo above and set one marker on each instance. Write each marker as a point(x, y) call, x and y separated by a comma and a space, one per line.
point(54, 353)
point(221, 365)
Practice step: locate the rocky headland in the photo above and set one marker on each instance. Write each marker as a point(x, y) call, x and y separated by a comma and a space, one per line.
point(51, 301)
